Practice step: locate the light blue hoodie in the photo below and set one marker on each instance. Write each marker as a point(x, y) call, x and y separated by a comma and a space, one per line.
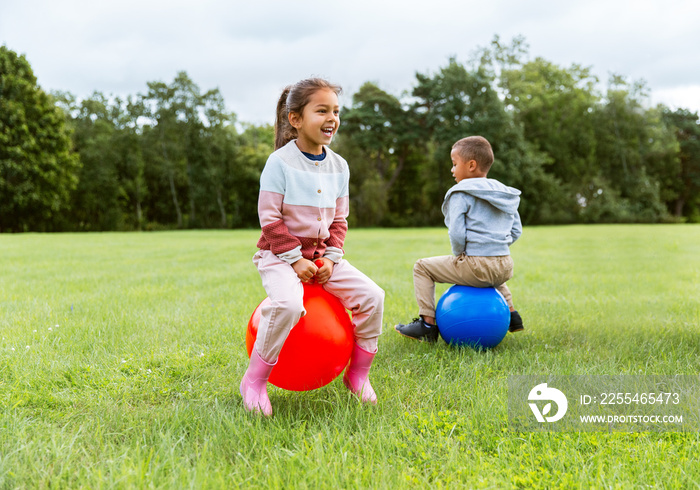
point(482, 217)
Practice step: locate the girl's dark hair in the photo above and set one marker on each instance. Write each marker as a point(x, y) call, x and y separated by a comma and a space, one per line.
point(293, 99)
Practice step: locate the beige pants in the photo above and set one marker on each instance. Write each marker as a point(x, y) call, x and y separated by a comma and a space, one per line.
point(479, 272)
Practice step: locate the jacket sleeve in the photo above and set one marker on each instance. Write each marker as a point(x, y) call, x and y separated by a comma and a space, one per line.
point(456, 220)
point(517, 229)
point(338, 229)
point(270, 201)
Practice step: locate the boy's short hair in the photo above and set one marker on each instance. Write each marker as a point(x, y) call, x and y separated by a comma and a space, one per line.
point(475, 148)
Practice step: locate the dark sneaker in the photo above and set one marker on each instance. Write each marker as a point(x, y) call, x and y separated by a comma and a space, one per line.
point(516, 323)
point(419, 330)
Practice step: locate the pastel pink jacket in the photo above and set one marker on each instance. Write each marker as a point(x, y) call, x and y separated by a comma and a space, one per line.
point(303, 205)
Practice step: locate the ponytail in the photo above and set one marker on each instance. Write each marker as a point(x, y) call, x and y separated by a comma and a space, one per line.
point(284, 131)
point(293, 99)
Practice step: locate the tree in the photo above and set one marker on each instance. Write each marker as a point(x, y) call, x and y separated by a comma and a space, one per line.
point(131, 166)
point(219, 147)
point(555, 107)
point(164, 151)
point(255, 145)
point(454, 103)
point(95, 202)
point(686, 181)
point(38, 169)
point(111, 188)
point(633, 150)
point(175, 157)
point(460, 101)
point(190, 141)
point(381, 138)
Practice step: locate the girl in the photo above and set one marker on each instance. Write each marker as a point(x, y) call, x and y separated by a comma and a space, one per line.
point(303, 206)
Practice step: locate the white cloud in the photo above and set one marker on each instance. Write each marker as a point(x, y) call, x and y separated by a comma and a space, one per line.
point(681, 97)
point(250, 50)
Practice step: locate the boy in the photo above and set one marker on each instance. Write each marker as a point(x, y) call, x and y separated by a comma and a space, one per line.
point(482, 219)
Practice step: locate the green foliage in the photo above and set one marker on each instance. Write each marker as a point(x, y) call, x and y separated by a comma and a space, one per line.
point(555, 107)
point(111, 187)
point(684, 184)
point(38, 169)
point(170, 158)
point(381, 136)
point(173, 157)
point(256, 144)
point(454, 103)
point(121, 355)
point(633, 152)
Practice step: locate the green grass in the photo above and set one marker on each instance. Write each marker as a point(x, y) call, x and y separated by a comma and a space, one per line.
point(121, 355)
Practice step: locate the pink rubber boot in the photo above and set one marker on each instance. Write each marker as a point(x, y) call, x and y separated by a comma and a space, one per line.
point(356, 376)
point(254, 385)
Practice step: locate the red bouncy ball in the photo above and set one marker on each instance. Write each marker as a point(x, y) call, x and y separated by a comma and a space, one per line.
point(318, 347)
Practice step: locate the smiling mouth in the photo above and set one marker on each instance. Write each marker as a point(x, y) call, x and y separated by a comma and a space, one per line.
point(327, 131)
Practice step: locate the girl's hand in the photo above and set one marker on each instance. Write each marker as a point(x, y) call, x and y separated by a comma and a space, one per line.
point(305, 269)
point(325, 269)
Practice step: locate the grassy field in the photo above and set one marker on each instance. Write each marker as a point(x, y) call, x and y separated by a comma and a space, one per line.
point(121, 355)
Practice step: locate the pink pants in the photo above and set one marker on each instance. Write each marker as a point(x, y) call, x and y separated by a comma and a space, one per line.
point(357, 292)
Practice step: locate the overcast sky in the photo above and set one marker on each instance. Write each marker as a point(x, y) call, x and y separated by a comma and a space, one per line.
point(250, 50)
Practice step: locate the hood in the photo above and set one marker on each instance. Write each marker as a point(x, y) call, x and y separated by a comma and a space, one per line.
point(492, 191)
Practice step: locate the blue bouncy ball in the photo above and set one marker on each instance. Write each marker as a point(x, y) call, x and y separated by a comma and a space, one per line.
point(478, 317)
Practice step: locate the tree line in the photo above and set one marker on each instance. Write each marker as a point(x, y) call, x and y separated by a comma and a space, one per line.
point(174, 157)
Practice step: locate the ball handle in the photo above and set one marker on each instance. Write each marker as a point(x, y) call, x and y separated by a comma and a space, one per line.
point(318, 263)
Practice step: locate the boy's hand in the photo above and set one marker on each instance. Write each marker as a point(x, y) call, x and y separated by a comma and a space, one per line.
point(305, 269)
point(324, 271)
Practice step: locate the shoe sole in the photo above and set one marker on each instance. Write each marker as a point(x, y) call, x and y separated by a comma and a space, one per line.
point(396, 327)
point(516, 329)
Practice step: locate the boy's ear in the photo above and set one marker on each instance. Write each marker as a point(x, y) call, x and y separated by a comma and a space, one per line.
point(472, 165)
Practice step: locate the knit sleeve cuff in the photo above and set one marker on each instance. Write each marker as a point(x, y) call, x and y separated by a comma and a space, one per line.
point(291, 256)
point(334, 254)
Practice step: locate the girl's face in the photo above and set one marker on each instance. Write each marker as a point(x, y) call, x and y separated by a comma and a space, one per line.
point(318, 122)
